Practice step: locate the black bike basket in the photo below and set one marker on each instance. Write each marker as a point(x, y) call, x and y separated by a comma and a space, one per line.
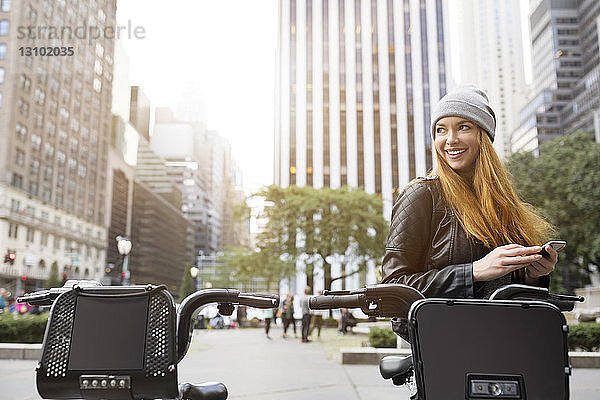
point(476, 349)
point(110, 343)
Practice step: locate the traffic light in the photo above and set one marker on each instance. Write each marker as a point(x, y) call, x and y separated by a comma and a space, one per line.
point(10, 257)
point(23, 277)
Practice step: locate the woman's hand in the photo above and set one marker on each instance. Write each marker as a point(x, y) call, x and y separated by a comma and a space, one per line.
point(541, 267)
point(505, 259)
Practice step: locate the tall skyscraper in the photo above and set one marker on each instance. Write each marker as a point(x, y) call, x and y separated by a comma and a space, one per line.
point(490, 55)
point(564, 39)
point(55, 123)
point(355, 81)
point(583, 112)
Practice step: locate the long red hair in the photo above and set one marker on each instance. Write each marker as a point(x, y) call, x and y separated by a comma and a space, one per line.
point(489, 209)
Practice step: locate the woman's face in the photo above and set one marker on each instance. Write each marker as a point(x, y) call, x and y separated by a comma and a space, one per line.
point(457, 142)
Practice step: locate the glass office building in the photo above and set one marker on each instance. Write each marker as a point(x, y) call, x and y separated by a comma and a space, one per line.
point(355, 81)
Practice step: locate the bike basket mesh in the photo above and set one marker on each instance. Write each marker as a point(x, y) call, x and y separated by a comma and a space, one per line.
point(56, 355)
point(158, 342)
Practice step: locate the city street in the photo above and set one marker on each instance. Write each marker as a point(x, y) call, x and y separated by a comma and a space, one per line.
point(256, 368)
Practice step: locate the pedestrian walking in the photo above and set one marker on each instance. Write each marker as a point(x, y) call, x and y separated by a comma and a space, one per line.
point(268, 314)
point(317, 319)
point(462, 231)
point(2, 299)
point(241, 315)
point(287, 315)
point(306, 317)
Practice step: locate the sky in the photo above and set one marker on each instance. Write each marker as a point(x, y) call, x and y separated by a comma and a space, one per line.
point(227, 49)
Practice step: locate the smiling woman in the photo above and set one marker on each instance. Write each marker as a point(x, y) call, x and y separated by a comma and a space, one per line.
point(462, 231)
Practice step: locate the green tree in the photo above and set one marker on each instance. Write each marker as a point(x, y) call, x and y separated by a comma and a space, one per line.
point(241, 266)
point(563, 184)
point(53, 280)
point(323, 225)
point(187, 283)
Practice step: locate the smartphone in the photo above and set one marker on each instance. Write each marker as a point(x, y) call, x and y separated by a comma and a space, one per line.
point(557, 245)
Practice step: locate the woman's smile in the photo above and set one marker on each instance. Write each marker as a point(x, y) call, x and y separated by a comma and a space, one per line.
point(457, 141)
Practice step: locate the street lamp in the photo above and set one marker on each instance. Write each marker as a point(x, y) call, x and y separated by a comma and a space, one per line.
point(194, 273)
point(124, 247)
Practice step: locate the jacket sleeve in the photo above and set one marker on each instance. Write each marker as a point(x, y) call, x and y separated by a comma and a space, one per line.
point(407, 248)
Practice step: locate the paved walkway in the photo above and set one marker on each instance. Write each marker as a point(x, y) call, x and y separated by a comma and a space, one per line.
point(256, 368)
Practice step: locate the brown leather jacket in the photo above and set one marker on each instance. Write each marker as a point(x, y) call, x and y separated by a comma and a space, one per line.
point(428, 249)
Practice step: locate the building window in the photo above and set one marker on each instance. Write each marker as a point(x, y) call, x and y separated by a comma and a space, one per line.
point(48, 173)
point(5, 5)
point(33, 188)
point(39, 96)
point(21, 132)
point(13, 230)
point(36, 141)
point(44, 239)
point(25, 83)
point(20, 158)
point(2, 51)
point(23, 107)
point(97, 85)
point(17, 181)
point(4, 27)
point(15, 205)
point(30, 235)
point(1, 75)
point(35, 167)
point(49, 150)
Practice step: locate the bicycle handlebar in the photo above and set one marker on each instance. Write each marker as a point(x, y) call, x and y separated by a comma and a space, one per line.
point(564, 302)
point(47, 297)
point(386, 300)
point(225, 297)
point(327, 302)
point(222, 296)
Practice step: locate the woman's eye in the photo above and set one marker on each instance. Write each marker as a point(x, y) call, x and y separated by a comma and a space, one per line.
point(440, 131)
point(464, 127)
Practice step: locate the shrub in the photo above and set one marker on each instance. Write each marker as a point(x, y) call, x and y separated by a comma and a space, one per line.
point(382, 337)
point(330, 322)
point(584, 336)
point(22, 328)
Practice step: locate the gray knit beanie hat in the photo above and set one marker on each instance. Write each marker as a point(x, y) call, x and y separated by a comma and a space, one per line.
point(468, 102)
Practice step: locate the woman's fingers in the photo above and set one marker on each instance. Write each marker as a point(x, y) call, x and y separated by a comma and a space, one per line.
point(520, 260)
point(552, 254)
point(522, 251)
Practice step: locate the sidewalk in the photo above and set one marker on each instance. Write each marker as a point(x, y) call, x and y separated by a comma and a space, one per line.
point(255, 368)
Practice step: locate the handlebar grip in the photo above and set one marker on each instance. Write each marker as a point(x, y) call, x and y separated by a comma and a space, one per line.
point(335, 301)
point(563, 305)
point(258, 300)
point(203, 391)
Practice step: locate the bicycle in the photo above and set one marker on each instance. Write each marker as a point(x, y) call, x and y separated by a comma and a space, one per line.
point(467, 348)
point(125, 342)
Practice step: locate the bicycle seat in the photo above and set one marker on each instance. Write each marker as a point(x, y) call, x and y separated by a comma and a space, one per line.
point(203, 391)
point(392, 366)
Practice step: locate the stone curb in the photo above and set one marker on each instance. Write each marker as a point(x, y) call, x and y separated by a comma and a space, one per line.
point(20, 351)
point(372, 356)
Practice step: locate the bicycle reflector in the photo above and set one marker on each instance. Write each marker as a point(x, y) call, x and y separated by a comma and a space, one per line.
point(495, 387)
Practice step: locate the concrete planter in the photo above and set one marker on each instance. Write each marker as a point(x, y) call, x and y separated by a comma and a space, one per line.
point(371, 355)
